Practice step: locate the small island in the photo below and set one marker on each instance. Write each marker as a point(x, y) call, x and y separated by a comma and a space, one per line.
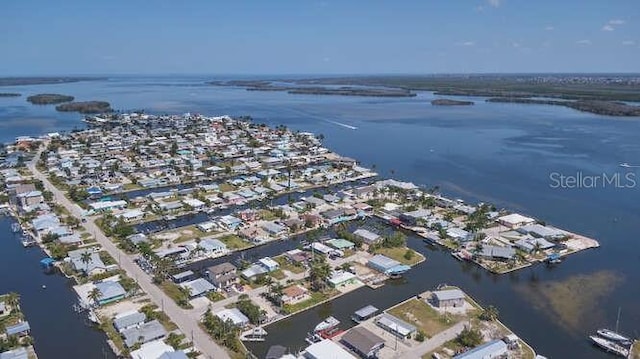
point(86, 107)
point(49, 99)
point(260, 85)
point(450, 102)
point(608, 108)
point(9, 94)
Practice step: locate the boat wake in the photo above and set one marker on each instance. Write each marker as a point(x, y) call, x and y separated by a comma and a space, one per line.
point(343, 125)
point(626, 165)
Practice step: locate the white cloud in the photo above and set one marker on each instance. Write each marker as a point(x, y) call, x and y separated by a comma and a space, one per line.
point(515, 44)
point(607, 27)
point(617, 22)
point(628, 43)
point(467, 43)
point(549, 28)
point(583, 42)
point(494, 3)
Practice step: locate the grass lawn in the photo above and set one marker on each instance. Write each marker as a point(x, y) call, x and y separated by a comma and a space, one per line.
point(424, 317)
point(153, 313)
point(131, 187)
point(234, 242)
point(225, 187)
point(106, 324)
point(285, 265)
point(176, 293)
point(398, 254)
point(215, 296)
point(316, 297)
point(277, 274)
point(267, 215)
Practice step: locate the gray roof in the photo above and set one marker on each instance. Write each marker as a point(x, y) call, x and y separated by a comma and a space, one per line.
point(221, 268)
point(94, 263)
point(18, 328)
point(109, 289)
point(174, 355)
point(129, 320)
point(449, 294)
point(197, 287)
point(497, 252)
point(362, 340)
point(145, 333)
point(366, 311)
point(486, 350)
point(382, 262)
point(19, 353)
point(394, 324)
point(367, 235)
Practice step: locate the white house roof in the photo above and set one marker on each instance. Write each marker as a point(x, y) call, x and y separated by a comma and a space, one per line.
point(515, 219)
point(151, 350)
point(326, 349)
point(234, 314)
point(449, 294)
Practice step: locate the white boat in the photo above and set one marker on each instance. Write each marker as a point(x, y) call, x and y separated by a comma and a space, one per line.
point(328, 323)
point(625, 165)
point(610, 346)
point(611, 335)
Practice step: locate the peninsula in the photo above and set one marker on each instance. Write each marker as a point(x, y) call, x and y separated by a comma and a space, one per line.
point(317, 90)
point(176, 195)
point(9, 94)
point(19, 81)
point(608, 108)
point(49, 99)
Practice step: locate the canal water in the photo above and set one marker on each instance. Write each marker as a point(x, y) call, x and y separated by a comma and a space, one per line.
point(57, 329)
point(506, 154)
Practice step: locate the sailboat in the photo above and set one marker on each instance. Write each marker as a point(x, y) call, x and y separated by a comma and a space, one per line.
point(614, 335)
point(610, 346)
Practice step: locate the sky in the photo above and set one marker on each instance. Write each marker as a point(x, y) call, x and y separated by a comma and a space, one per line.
point(44, 37)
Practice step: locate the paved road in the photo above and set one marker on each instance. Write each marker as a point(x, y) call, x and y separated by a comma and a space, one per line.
point(433, 343)
point(186, 322)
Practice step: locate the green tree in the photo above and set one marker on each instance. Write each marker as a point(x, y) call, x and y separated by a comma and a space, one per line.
point(319, 273)
point(95, 296)
point(490, 313)
point(469, 337)
point(85, 258)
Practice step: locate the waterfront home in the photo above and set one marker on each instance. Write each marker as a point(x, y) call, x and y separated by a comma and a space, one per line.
point(515, 220)
point(110, 291)
point(317, 247)
point(269, 264)
point(496, 252)
point(45, 221)
point(197, 287)
point(106, 206)
point(297, 257)
point(127, 320)
point(326, 349)
point(459, 234)
point(341, 278)
point(262, 266)
point(207, 226)
point(173, 206)
point(489, 350)
point(448, 298)
point(213, 247)
point(20, 329)
point(235, 315)
point(183, 276)
point(18, 353)
point(540, 231)
point(363, 342)
point(194, 203)
point(70, 239)
point(90, 265)
point(155, 349)
point(531, 244)
point(223, 276)
point(229, 222)
point(30, 199)
point(383, 263)
point(395, 326)
point(294, 294)
point(138, 238)
point(367, 236)
point(341, 244)
point(274, 229)
point(3, 309)
point(412, 218)
point(132, 215)
point(143, 333)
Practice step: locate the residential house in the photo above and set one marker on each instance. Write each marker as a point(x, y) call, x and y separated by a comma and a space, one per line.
point(235, 315)
point(294, 294)
point(223, 276)
point(448, 298)
point(124, 321)
point(367, 236)
point(363, 342)
point(144, 333)
point(110, 291)
point(197, 287)
point(489, 350)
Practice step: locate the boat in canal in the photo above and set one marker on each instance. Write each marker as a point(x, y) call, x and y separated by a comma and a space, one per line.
point(15, 227)
point(613, 336)
point(28, 241)
point(610, 346)
point(365, 313)
point(326, 329)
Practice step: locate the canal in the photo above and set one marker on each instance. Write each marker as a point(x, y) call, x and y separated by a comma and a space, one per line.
point(58, 331)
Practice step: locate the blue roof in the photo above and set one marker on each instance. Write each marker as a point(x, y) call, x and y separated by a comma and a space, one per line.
point(47, 261)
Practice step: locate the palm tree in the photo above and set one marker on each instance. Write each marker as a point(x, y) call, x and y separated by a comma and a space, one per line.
point(86, 259)
point(13, 299)
point(319, 273)
point(95, 296)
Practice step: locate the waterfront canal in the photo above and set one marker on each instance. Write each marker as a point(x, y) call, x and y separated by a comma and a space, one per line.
point(57, 329)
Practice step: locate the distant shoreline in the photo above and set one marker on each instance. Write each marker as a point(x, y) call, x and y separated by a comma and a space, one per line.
point(23, 81)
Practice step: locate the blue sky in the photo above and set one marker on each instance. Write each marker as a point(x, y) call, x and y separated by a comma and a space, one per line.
point(318, 37)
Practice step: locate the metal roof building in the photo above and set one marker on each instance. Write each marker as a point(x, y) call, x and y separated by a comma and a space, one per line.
point(395, 326)
point(326, 349)
point(493, 349)
point(363, 342)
